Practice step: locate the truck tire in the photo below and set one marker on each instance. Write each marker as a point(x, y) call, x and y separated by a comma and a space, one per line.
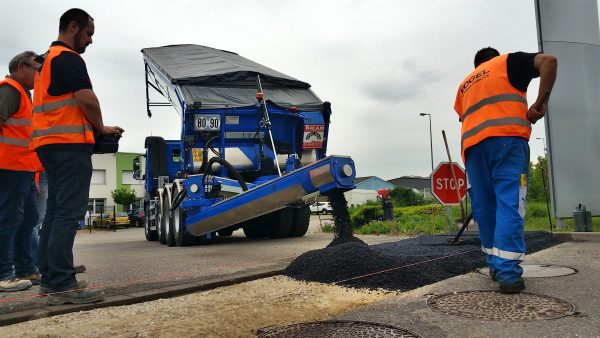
point(282, 223)
point(225, 232)
point(151, 235)
point(168, 220)
point(182, 237)
point(258, 227)
point(301, 221)
point(160, 222)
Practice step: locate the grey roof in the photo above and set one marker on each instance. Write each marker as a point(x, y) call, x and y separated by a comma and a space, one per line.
point(414, 182)
point(362, 179)
point(221, 79)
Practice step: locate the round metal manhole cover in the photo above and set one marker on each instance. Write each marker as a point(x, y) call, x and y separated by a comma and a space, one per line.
point(335, 329)
point(541, 271)
point(493, 305)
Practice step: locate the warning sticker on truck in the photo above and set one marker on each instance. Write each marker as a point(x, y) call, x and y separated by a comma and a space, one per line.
point(197, 155)
point(314, 135)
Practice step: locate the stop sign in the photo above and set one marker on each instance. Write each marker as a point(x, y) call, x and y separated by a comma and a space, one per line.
point(443, 186)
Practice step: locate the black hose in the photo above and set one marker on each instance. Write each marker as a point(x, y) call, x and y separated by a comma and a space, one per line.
point(236, 175)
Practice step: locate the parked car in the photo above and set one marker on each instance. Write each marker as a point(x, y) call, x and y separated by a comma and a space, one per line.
point(121, 218)
point(110, 220)
point(321, 208)
point(136, 217)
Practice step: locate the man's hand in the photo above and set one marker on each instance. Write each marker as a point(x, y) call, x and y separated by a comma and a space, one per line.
point(112, 130)
point(536, 112)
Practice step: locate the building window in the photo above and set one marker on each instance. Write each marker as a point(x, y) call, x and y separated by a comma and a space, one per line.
point(98, 176)
point(96, 205)
point(127, 177)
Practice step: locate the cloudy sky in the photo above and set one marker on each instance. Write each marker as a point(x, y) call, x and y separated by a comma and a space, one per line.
point(380, 62)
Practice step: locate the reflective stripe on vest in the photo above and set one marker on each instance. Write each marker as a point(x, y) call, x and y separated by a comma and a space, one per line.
point(507, 121)
point(62, 130)
point(492, 100)
point(56, 105)
point(17, 122)
point(14, 141)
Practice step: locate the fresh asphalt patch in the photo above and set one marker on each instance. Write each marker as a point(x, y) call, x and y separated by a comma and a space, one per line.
point(400, 266)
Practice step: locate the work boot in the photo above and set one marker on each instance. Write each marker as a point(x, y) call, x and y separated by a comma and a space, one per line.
point(14, 284)
point(80, 268)
point(35, 278)
point(515, 287)
point(81, 284)
point(76, 296)
point(493, 275)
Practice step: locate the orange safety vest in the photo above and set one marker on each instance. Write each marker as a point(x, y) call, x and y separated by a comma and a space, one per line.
point(15, 136)
point(488, 105)
point(57, 119)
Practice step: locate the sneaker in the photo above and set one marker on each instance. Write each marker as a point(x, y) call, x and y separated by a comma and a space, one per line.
point(76, 296)
point(515, 287)
point(35, 278)
point(80, 268)
point(80, 285)
point(14, 284)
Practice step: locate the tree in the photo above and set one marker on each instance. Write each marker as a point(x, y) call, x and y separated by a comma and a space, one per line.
point(536, 191)
point(123, 196)
point(405, 197)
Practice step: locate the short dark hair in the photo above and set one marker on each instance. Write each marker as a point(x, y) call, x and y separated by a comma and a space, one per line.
point(484, 54)
point(74, 14)
point(22, 58)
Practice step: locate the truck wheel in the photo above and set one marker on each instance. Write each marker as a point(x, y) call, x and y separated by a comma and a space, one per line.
point(182, 237)
point(258, 227)
point(301, 221)
point(168, 220)
point(282, 223)
point(225, 232)
point(151, 235)
point(160, 224)
point(324, 211)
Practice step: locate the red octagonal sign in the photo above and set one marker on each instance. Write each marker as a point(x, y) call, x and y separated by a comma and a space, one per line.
point(443, 186)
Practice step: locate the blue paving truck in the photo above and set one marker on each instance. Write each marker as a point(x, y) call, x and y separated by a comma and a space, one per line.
point(252, 151)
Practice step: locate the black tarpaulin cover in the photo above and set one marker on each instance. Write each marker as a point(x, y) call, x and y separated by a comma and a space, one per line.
point(221, 79)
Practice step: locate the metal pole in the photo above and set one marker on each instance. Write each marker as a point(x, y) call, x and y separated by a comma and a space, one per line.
point(430, 138)
point(430, 142)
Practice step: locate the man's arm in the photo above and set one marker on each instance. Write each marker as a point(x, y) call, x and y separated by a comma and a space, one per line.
point(547, 66)
point(88, 101)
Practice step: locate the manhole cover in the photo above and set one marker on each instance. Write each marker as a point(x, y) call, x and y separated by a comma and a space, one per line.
point(541, 271)
point(334, 329)
point(492, 305)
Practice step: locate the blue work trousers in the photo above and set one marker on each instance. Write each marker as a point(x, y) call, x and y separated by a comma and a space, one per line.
point(69, 173)
point(18, 216)
point(498, 171)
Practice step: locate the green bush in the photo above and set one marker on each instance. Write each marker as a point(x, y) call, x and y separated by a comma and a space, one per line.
point(429, 209)
point(405, 225)
point(536, 209)
point(365, 214)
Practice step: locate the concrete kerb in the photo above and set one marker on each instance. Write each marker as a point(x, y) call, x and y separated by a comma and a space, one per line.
point(577, 236)
point(139, 297)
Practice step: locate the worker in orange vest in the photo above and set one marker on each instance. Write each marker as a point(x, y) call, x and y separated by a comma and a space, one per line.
point(18, 164)
point(491, 103)
point(66, 112)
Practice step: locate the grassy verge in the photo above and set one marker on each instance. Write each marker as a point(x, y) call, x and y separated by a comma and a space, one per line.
point(433, 219)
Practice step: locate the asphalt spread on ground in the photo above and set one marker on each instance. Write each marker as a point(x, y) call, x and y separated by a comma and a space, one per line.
point(400, 266)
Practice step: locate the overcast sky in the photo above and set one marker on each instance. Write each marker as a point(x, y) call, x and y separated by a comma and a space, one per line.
point(380, 63)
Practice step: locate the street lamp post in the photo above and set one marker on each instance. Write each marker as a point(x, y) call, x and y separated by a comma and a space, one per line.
point(544, 142)
point(430, 138)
